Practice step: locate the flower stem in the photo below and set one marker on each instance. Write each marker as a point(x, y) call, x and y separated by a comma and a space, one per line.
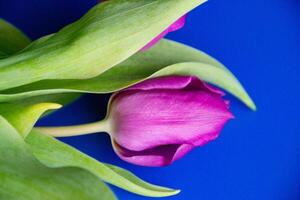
point(68, 131)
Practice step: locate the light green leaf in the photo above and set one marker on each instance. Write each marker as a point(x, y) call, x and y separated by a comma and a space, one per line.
point(128, 175)
point(30, 112)
point(31, 109)
point(12, 39)
point(23, 177)
point(107, 35)
point(166, 58)
point(54, 153)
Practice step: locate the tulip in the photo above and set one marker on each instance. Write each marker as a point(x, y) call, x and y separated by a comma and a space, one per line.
point(178, 24)
point(158, 121)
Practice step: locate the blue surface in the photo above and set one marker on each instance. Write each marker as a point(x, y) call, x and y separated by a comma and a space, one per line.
point(258, 154)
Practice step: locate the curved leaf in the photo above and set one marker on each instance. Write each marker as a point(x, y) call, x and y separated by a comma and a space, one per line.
point(12, 39)
point(161, 60)
point(23, 177)
point(30, 112)
point(128, 175)
point(54, 153)
point(107, 35)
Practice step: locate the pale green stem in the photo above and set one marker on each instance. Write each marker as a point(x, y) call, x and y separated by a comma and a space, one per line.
point(68, 131)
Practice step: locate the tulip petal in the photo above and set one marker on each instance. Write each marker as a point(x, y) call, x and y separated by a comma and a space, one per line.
point(181, 151)
point(156, 157)
point(178, 24)
point(155, 40)
point(175, 82)
point(168, 82)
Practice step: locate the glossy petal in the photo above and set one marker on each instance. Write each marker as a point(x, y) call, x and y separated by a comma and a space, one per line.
point(175, 82)
point(178, 24)
point(169, 82)
point(155, 157)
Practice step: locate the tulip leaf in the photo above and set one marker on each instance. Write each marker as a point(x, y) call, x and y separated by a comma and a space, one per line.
point(54, 153)
point(137, 181)
point(23, 177)
point(161, 60)
point(12, 39)
point(107, 35)
point(30, 112)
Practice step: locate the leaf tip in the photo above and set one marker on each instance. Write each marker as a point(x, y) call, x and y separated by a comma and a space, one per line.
point(176, 192)
point(173, 192)
point(250, 103)
point(52, 106)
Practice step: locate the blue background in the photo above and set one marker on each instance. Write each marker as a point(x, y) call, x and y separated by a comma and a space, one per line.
point(258, 154)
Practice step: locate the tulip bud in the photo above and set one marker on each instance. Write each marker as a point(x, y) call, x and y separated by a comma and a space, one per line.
point(158, 121)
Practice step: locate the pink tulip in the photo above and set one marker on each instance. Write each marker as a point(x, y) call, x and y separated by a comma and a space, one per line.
point(158, 121)
point(173, 27)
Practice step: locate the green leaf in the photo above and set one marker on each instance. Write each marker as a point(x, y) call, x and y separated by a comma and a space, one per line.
point(32, 109)
point(54, 153)
point(161, 60)
point(31, 112)
point(12, 39)
point(23, 177)
point(128, 175)
point(107, 35)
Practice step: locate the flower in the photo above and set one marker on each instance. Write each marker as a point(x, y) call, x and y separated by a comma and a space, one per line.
point(178, 24)
point(158, 121)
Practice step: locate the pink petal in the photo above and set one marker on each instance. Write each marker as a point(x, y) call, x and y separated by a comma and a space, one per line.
point(178, 24)
point(156, 157)
point(181, 151)
point(155, 40)
point(175, 82)
point(168, 82)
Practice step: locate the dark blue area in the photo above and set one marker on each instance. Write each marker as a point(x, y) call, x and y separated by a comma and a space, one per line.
point(258, 154)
